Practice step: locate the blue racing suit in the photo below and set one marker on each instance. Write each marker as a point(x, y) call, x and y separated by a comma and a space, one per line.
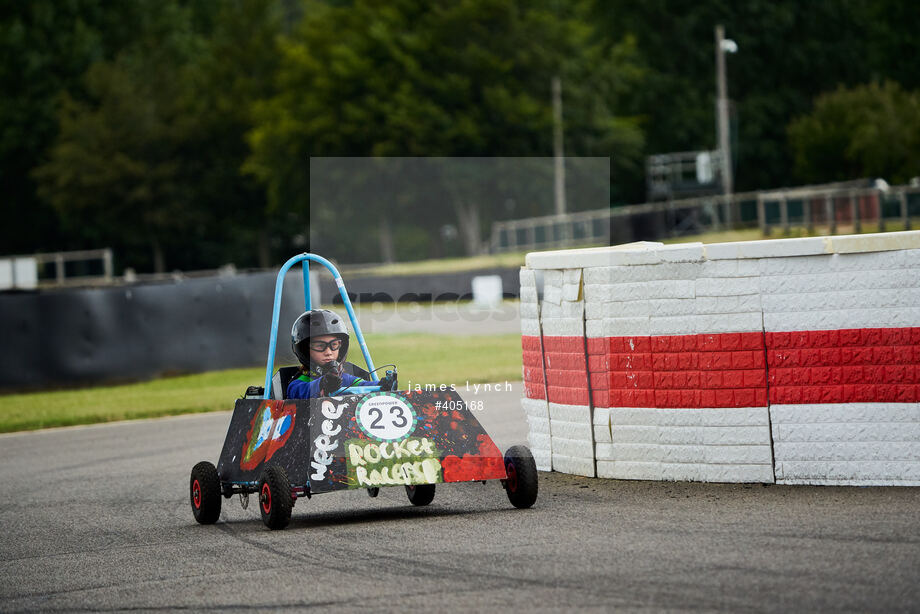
point(308, 386)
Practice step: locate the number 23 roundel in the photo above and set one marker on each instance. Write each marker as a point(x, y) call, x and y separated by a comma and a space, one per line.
point(385, 417)
point(396, 438)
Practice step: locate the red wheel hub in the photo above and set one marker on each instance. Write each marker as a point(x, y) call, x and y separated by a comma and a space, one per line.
point(512, 476)
point(196, 494)
point(266, 499)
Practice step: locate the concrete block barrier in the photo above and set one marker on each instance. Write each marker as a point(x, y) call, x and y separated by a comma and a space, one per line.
point(539, 433)
point(791, 361)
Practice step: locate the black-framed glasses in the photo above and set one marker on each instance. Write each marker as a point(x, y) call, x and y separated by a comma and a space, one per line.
point(320, 346)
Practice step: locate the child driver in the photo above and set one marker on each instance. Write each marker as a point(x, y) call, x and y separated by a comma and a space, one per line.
point(320, 342)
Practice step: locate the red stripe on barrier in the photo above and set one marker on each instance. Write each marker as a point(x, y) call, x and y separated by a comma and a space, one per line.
point(879, 365)
point(566, 371)
point(599, 381)
point(725, 370)
point(566, 378)
point(597, 364)
point(601, 398)
point(732, 370)
point(861, 365)
point(534, 391)
point(564, 344)
point(567, 396)
point(532, 359)
point(566, 368)
point(597, 346)
point(566, 360)
point(530, 343)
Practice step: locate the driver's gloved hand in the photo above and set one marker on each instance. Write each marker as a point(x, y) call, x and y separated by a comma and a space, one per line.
point(330, 382)
point(388, 382)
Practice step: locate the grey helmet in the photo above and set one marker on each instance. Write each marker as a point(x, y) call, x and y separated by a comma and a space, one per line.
point(316, 323)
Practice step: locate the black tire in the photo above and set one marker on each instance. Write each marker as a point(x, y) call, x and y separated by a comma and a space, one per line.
point(422, 494)
point(275, 501)
point(204, 493)
point(521, 483)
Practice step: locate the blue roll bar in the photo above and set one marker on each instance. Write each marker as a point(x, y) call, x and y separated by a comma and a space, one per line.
point(276, 310)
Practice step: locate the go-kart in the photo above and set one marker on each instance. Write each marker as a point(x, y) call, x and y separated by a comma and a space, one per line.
point(359, 437)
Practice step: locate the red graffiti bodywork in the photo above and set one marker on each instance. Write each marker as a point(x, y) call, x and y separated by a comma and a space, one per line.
point(487, 465)
point(271, 426)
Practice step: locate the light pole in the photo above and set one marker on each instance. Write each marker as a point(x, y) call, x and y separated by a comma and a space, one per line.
point(723, 46)
point(558, 151)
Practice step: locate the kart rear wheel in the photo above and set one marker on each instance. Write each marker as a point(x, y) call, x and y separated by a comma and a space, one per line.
point(204, 493)
point(521, 483)
point(422, 494)
point(275, 501)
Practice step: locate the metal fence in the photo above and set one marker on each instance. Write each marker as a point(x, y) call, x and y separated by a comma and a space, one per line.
point(838, 207)
point(28, 272)
point(839, 210)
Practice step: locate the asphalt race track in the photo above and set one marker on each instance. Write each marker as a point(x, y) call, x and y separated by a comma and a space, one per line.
point(98, 518)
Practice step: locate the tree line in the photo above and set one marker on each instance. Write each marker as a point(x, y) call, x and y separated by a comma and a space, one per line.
point(182, 132)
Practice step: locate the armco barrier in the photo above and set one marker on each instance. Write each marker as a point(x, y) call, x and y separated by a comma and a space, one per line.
point(788, 361)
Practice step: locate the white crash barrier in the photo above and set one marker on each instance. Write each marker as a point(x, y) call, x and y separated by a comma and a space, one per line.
point(794, 361)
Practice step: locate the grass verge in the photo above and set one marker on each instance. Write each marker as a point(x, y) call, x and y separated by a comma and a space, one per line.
point(442, 265)
point(436, 359)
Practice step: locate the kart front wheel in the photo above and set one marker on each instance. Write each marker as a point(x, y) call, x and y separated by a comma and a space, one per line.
point(521, 483)
point(275, 500)
point(204, 493)
point(422, 494)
